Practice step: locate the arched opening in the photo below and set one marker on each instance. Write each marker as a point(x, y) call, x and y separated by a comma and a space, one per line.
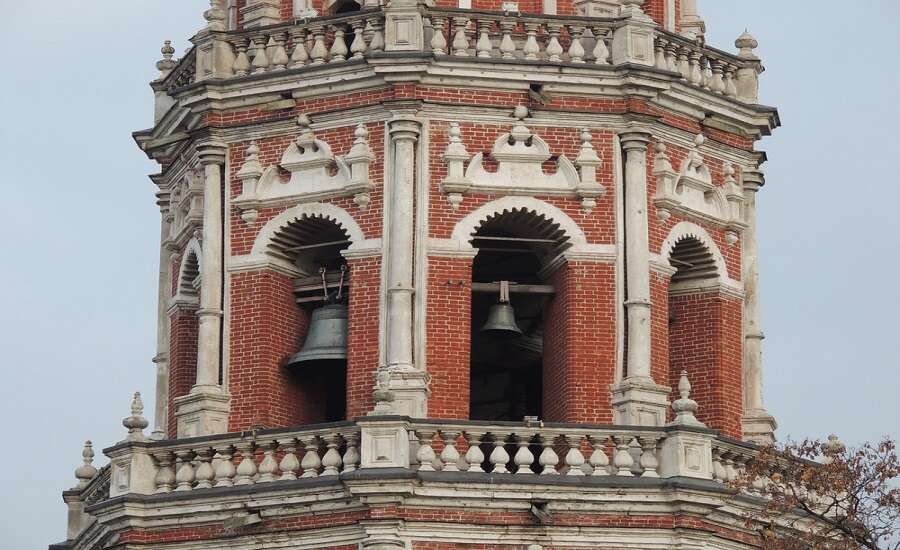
point(183, 330)
point(316, 369)
point(694, 310)
point(507, 339)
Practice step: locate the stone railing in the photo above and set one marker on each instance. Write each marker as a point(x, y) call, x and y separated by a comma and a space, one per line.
point(514, 448)
point(713, 70)
point(500, 35)
point(249, 458)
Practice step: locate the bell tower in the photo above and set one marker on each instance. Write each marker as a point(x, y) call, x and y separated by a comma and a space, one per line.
point(441, 275)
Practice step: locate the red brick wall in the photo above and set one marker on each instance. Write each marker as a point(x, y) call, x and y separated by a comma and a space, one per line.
point(448, 335)
point(580, 344)
point(266, 328)
point(705, 340)
point(183, 326)
point(659, 328)
point(362, 334)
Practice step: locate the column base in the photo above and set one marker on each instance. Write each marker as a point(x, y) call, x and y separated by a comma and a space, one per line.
point(759, 427)
point(640, 402)
point(202, 413)
point(409, 392)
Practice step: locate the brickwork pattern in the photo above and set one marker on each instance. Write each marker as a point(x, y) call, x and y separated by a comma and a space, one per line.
point(362, 334)
point(183, 327)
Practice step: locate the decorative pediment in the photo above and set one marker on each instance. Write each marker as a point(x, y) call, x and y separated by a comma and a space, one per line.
point(315, 173)
point(520, 156)
point(691, 194)
point(185, 208)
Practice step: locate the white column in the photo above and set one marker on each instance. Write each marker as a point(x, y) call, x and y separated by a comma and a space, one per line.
point(204, 411)
point(404, 134)
point(210, 312)
point(161, 360)
point(637, 399)
point(758, 425)
point(691, 23)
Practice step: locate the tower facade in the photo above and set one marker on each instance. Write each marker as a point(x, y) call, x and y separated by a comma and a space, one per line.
point(440, 275)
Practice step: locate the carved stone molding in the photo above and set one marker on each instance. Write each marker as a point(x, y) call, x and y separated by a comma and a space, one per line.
point(309, 161)
point(691, 194)
point(520, 155)
point(185, 210)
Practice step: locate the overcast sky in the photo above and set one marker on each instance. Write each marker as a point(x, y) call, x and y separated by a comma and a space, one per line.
point(80, 230)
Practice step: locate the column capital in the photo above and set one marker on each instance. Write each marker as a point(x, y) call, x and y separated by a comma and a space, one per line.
point(404, 129)
point(753, 180)
point(634, 140)
point(212, 153)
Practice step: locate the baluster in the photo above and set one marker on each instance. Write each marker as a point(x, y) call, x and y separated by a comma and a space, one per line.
point(524, 458)
point(339, 49)
point(438, 41)
point(601, 52)
point(270, 48)
point(241, 65)
point(375, 36)
point(311, 461)
point(684, 64)
point(719, 473)
point(474, 456)
point(574, 457)
point(319, 51)
point(351, 453)
point(499, 457)
point(279, 54)
point(484, 46)
point(358, 46)
point(460, 40)
point(649, 460)
point(730, 472)
point(260, 57)
point(576, 48)
point(269, 466)
point(696, 76)
point(332, 459)
point(705, 69)
point(672, 57)
point(548, 460)
point(184, 475)
point(718, 81)
point(531, 48)
point(289, 464)
point(554, 48)
point(246, 470)
point(660, 48)
point(224, 467)
point(636, 452)
point(165, 474)
point(622, 461)
point(730, 86)
point(449, 454)
point(205, 473)
point(507, 44)
point(599, 461)
point(425, 454)
point(299, 55)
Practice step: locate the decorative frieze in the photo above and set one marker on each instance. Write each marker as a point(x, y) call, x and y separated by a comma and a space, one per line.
point(520, 155)
point(309, 161)
point(691, 194)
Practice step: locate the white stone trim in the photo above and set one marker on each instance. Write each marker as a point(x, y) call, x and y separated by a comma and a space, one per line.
point(310, 210)
point(466, 227)
point(686, 229)
point(191, 248)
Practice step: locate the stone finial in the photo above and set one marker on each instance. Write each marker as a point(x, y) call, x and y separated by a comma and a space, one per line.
point(661, 161)
point(215, 16)
point(520, 132)
point(456, 183)
point(520, 112)
point(251, 168)
point(86, 472)
point(685, 408)
point(382, 394)
point(746, 44)
point(634, 9)
point(832, 448)
point(360, 158)
point(166, 64)
point(136, 422)
point(307, 137)
point(587, 162)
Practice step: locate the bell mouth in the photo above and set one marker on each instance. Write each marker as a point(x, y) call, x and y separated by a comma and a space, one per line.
point(501, 322)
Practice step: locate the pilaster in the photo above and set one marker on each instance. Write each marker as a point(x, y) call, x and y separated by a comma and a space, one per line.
point(633, 42)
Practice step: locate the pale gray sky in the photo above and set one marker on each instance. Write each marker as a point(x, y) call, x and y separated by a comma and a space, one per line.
point(79, 227)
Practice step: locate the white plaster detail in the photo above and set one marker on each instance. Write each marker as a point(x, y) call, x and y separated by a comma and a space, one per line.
point(186, 285)
point(684, 230)
point(520, 155)
point(309, 210)
point(185, 211)
point(309, 161)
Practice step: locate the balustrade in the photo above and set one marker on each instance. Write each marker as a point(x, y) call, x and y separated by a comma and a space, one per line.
point(538, 450)
point(700, 66)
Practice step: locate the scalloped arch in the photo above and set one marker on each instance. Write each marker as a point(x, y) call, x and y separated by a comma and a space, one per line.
point(466, 227)
point(684, 230)
point(309, 210)
point(192, 249)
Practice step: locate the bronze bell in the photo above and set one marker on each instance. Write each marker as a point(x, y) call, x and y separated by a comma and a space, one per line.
point(326, 339)
point(501, 319)
point(327, 336)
